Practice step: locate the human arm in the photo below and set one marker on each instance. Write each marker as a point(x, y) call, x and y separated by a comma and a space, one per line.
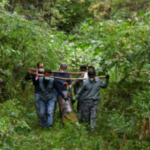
point(59, 81)
point(80, 91)
point(63, 82)
point(58, 89)
point(105, 84)
point(77, 83)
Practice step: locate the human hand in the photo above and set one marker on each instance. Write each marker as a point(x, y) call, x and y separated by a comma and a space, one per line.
point(31, 70)
point(107, 76)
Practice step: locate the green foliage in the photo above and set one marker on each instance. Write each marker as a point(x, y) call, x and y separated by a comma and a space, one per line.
point(119, 46)
point(60, 14)
point(115, 44)
point(20, 43)
point(71, 13)
point(11, 120)
point(20, 130)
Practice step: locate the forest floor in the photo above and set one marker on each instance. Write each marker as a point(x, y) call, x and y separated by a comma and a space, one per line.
point(58, 137)
point(20, 130)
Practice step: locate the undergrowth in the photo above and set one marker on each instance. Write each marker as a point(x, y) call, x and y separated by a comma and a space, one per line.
point(117, 128)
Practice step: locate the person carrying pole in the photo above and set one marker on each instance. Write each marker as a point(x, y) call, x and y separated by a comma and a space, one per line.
point(78, 84)
point(47, 98)
point(89, 68)
point(31, 75)
point(91, 89)
point(62, 84)
point(63, 68)
point(80, 100)
point(65, 107)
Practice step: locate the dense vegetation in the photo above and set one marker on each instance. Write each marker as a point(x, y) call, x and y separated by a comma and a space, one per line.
point(113, 36)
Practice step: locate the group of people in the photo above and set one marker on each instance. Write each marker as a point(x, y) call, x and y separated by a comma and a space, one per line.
point(47, 89)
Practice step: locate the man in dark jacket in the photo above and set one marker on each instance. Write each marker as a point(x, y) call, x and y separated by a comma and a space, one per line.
point(61, 83)
point(32, 76)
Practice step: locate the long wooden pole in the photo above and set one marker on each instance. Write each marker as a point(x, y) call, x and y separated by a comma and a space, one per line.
point(41, 75)
point(73, 73)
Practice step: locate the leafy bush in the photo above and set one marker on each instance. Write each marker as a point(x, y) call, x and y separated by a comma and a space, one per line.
point(119, 47)
point(11, 120)
point(21, 43)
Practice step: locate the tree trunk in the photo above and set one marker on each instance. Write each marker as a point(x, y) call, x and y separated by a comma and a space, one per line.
point(43, 12)
point(67, 112)
point(12, 5)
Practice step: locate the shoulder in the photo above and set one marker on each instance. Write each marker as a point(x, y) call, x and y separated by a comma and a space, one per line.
point(97, 79)
point(57, 70)
point(85, 81)
point(56, 73)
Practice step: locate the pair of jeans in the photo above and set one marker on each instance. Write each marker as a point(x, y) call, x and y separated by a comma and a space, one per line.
point(37, 107)
point(46, 112)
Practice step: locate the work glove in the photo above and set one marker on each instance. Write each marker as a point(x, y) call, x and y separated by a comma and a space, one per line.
point(65, 84)
point(31, 70)
point(66, 99)
point(107, 76)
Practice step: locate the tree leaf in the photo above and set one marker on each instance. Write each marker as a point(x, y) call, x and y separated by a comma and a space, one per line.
point(71, 37)
point(141, 13)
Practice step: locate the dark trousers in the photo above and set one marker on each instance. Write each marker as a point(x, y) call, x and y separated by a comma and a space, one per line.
point(89, 112)
point(79, 107)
